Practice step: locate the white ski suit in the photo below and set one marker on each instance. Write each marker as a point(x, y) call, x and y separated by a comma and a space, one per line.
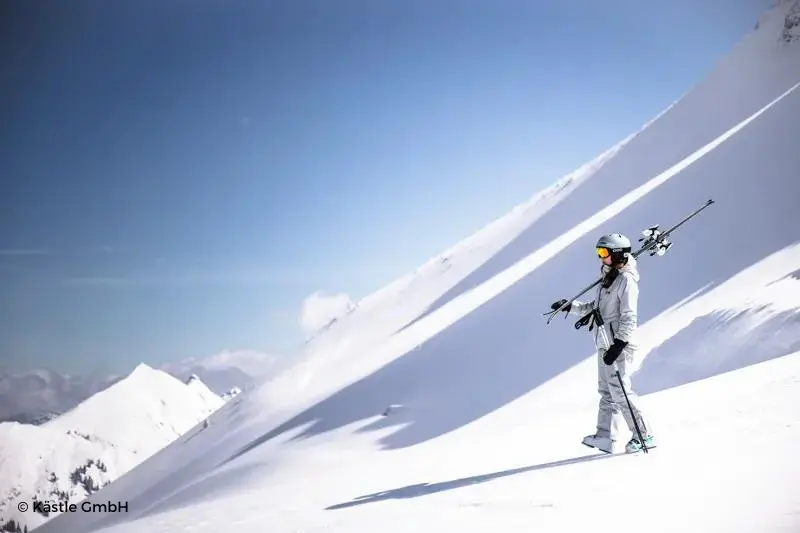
point(618, 306)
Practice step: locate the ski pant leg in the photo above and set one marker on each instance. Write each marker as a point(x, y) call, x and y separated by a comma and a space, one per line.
point(618, 396)
point(606, 408)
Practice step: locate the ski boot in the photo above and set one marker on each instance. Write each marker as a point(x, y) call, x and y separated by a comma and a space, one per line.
point(604, 444)
point(635, 446)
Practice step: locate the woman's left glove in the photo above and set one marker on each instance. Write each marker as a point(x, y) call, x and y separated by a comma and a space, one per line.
point(614, 351)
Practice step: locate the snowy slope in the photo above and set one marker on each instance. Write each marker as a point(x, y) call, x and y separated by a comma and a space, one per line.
point(102, 438)
point(488, 405)
point(520, 472)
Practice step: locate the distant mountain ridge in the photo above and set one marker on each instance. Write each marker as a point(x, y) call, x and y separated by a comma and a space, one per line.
point(39, 395)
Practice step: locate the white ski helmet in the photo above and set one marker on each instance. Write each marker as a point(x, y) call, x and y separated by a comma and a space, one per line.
point(614, 244)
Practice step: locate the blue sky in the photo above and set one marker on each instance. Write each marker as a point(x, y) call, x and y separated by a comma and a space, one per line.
point(176, 179)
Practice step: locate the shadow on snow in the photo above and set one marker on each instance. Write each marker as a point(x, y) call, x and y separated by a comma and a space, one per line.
point(424, 489)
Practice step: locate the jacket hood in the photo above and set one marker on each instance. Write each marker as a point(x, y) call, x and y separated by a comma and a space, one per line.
point(632, 266)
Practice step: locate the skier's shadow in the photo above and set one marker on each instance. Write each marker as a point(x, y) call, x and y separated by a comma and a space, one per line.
point(423, 489)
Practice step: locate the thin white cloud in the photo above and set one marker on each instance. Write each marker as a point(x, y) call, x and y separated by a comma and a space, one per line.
point(21, 251)
point(319, 309)
point(251, 362)
point(240, 276)
point(100, 281)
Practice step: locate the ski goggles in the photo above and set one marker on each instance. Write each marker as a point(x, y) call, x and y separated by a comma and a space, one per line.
point(602, 253)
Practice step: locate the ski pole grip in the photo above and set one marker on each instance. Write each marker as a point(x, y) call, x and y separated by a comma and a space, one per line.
point(583, 321)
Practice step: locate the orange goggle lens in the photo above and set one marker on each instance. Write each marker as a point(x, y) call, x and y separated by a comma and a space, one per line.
point(603, 253)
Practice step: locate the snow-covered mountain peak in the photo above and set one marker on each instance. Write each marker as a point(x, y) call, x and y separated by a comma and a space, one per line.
point(71, 456)
point(141, 371)
point(145, 410)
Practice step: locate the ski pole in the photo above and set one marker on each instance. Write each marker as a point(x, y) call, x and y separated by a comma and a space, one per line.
point(633, 415)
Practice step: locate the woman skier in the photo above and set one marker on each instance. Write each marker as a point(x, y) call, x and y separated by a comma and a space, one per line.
point(617, 303)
